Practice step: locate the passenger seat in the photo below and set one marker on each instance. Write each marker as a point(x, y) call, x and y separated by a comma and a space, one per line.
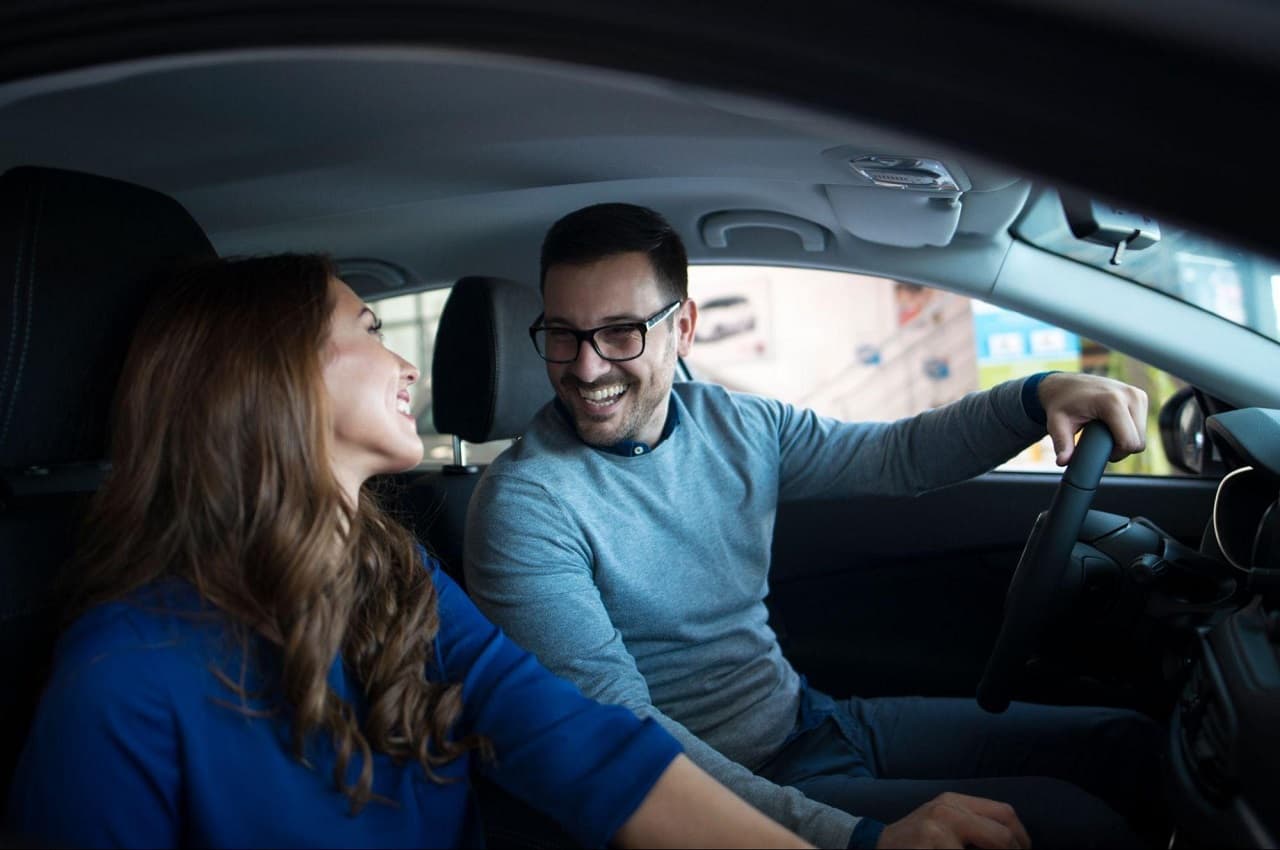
point(79, 257)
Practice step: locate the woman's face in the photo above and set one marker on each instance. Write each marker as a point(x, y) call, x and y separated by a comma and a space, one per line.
point(368, 385)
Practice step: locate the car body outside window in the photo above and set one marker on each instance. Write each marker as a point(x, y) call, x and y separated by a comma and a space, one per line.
point(862, 348)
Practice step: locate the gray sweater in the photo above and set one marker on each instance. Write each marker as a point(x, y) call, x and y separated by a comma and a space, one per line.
point(642, 579)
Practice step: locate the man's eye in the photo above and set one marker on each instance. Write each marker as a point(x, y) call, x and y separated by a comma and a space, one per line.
point(619, 334)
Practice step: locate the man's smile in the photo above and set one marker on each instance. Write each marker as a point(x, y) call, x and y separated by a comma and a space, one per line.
point(600, 397)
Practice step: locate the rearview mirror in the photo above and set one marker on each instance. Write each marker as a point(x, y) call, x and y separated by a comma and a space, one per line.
point(1104, 223)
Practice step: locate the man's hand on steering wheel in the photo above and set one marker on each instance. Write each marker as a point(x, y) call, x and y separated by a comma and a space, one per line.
point(1071, 400)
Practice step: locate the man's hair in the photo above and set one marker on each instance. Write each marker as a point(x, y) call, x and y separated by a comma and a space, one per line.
point(602, 230)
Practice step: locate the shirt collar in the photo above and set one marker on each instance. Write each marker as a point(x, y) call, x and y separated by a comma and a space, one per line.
point(629, 448)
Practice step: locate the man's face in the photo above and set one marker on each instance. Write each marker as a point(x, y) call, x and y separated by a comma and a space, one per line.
point(612, 401)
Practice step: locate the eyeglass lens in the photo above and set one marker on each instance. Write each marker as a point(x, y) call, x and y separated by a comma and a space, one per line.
point(616, 342)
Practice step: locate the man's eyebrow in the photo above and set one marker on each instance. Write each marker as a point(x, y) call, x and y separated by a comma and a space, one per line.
point(619, 318)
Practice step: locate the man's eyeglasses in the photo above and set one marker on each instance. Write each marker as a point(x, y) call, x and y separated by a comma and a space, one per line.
point(624, 341)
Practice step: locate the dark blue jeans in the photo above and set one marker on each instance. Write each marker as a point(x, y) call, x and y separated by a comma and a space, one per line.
point(1068, 772)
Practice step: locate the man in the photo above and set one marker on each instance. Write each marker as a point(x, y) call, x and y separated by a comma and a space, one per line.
point(625, 540)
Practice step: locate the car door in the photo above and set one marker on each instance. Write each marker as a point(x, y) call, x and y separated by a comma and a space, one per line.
point(904, 596)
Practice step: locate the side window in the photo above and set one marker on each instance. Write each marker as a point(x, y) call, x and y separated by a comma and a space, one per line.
point(409, 324)
point(865, 348)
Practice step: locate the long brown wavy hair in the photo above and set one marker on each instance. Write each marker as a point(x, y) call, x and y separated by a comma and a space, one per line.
point(221, 476)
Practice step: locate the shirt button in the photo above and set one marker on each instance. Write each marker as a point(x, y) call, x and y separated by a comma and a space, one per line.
point(638, 450)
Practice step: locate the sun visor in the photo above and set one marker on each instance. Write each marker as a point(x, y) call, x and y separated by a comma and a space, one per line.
point(904, 219)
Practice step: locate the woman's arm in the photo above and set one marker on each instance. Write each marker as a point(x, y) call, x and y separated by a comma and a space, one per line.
point(604, 774)
point(687, 808)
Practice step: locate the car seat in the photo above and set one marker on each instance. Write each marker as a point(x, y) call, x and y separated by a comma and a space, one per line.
point(79, 257)
point(487, 382)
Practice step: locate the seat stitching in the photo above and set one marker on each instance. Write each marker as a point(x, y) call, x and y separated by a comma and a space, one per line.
point(496, 354)
point(17, 284)
point(26, 331)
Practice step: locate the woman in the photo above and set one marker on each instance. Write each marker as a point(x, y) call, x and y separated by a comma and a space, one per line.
point(260, 657)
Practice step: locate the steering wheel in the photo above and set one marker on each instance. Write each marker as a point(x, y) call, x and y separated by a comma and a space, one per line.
point(1042, 566)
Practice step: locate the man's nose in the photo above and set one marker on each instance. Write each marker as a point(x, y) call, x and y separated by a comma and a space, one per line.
point(589, 364)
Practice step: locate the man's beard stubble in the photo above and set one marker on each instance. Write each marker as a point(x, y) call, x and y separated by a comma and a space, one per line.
point(639, 408)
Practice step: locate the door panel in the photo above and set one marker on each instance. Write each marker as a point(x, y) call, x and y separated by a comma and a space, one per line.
point(876, 596)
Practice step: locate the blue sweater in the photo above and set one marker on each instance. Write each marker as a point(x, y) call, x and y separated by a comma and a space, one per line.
point(642, 578)
point(137, 743)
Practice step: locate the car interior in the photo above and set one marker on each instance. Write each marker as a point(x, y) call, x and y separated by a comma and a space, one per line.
point(422, 169)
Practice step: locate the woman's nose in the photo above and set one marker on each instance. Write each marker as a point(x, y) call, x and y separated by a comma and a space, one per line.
point(408, 371)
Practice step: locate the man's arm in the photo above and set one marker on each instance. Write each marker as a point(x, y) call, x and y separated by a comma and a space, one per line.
point(820, 456)
point(952, 443)
point(528, 573)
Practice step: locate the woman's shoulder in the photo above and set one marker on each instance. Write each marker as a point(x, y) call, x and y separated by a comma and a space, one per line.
point(150, 634)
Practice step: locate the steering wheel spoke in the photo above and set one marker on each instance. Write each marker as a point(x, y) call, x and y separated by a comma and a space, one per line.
point(1039, 575)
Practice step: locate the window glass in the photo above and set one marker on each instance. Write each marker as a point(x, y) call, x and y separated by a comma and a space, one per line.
point(1240, 286)
point(409, 324)
point(864, 348)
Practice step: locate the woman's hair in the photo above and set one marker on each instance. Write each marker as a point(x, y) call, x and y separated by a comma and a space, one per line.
point(221, 476)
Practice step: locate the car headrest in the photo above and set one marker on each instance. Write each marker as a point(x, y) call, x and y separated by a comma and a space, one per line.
point(79, 257)
point(487, 382)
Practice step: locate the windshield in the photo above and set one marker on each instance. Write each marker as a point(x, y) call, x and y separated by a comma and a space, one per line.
point(1237, 285)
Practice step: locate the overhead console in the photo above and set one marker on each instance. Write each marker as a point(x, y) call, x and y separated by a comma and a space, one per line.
point(910, 201)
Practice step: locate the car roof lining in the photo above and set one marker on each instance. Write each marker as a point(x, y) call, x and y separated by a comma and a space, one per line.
point(449, 163)
point(252, 144)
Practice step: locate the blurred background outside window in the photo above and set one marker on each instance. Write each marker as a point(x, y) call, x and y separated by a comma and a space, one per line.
point(849, 346)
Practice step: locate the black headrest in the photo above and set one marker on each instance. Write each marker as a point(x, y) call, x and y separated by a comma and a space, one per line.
point(79, 256)
point(487, 382)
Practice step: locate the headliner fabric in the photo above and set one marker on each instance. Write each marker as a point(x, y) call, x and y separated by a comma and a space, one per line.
point(487, 382)
point(78, 257)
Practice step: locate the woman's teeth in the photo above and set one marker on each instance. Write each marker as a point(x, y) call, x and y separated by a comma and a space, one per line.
point(402, 406)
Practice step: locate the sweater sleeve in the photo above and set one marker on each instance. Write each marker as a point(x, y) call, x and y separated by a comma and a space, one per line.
point(530, 574)
point(588, 766)
point(101, 765)
point(821, 457)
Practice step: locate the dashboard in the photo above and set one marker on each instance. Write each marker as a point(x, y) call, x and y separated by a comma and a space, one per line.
point(1225, 729)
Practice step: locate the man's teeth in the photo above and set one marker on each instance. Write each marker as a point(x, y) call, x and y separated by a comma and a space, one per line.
point(603, 394)
point(402, 406)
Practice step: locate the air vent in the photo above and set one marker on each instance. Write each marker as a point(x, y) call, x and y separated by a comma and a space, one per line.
point(901, 172)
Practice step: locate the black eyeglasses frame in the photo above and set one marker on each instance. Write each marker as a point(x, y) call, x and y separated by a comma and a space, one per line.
point(589, 335)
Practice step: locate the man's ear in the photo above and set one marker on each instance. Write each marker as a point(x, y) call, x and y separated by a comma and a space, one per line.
point(686, 320)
